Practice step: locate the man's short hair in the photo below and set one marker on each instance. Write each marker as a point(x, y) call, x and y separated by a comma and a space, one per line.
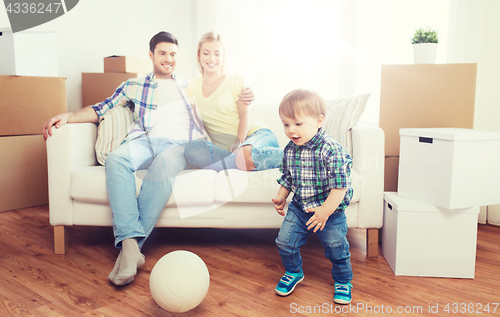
point(161, 37)
point(302, 102)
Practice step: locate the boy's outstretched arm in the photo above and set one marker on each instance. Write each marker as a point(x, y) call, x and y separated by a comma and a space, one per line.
point(280, 200)
point(321, 213)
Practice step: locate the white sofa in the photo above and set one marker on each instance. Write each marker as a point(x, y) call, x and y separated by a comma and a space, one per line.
point(203, 198)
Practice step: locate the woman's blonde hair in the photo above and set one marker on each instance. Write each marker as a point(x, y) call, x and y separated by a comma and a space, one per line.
point(210, 37)
point(302, 102)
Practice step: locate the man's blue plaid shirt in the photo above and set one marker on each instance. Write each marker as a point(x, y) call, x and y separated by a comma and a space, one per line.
point(140, 91)
point(312, 170)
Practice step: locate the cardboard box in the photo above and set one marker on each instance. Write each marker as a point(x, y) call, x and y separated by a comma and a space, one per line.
point(127, 64)
point(23, 170)
point(391, 173)
point(449, 167)
point(28, 102)
point(424, 240)
point(96, 87)
point(28, 53)
point(425, 96)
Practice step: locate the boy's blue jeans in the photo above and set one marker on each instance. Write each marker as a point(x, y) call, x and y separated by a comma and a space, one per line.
point(135, 216)
point(293, 234)
point(266, 153)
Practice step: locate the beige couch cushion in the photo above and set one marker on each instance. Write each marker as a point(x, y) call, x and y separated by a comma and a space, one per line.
point(88, 184)
point(193, 187)
point(258, 187)
point(343, 114)
point(112, 130)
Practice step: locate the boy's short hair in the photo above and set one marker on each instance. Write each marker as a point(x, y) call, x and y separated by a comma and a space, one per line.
point(302, 102)
point(161, 37)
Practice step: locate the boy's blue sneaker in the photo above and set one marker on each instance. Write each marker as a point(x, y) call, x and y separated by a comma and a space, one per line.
point(288, 282)
point(342, 293)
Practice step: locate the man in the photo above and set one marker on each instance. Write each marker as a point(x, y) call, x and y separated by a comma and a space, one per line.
point(167, 121)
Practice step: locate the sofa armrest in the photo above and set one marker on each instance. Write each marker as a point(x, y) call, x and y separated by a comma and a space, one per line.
point(368, 160)
point(69, 147)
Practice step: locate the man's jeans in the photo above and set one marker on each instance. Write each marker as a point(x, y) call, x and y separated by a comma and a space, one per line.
point(293, 234)
point(135, 216)
point(266, 153)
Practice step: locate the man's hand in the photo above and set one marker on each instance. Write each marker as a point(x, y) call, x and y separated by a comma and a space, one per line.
point(57, 121)
point(86, 114)
point(318, 220)
point(279, 204)
point(246, 95)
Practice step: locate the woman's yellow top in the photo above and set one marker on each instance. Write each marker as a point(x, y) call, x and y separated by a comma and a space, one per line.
point(219, 111)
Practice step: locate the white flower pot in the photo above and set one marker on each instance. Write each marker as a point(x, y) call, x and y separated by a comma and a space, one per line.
point(424, 53)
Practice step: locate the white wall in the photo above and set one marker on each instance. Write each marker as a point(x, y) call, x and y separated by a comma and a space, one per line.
point(278, 45)
point(384, 29)
point(95, 29)
point(474, 34)
point(335, 46)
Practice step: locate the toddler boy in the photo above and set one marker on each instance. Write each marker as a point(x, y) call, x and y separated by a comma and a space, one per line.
point(317, 169)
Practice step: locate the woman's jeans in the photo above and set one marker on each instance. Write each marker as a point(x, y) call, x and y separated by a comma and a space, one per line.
point(293, 234)
point(135, 216)
point(266, 153)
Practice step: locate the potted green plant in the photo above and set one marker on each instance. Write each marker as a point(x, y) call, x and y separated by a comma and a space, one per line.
point(425, 43)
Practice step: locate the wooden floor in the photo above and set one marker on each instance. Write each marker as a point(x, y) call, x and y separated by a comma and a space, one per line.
point(244, 268)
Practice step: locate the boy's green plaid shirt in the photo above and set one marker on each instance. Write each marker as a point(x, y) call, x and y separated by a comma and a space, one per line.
point(312, 170)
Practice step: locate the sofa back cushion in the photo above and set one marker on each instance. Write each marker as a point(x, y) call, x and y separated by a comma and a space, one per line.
point(112, 130)
point(343, 114)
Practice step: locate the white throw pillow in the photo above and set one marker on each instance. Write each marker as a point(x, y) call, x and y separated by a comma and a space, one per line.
point(343, 114)
point(112, 130)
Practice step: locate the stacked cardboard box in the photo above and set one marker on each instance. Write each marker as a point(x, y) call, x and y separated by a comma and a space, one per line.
point(28, 53)
point(423, 96)
point(430, 224)
point(419, 237)
point(96, 87)
point(26, 103)
point(126, 64)
point(30, 93)
point(449, 167)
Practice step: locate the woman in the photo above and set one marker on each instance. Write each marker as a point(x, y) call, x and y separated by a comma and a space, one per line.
point(237, 140)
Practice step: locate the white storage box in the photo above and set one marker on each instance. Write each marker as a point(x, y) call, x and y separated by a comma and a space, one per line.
point(424, 240)
point(450, 167)
point(28, 53)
